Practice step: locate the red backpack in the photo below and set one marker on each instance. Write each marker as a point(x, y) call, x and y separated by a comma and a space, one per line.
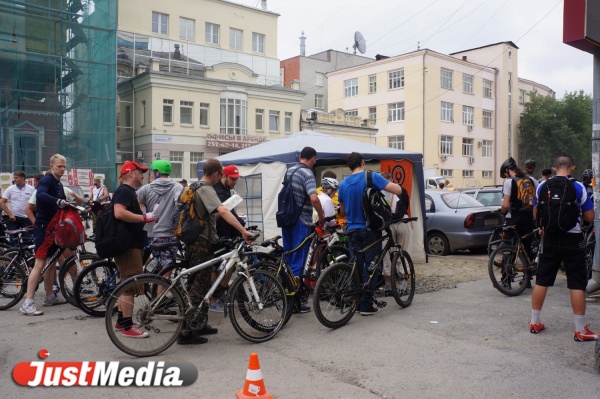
point(68, 228)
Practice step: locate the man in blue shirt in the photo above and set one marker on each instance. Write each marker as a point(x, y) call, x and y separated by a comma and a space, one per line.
point(349, 195)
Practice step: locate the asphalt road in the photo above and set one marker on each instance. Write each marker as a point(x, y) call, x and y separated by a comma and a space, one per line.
point(467, 342)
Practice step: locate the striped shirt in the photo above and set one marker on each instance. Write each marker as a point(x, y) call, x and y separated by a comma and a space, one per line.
point(303, 185)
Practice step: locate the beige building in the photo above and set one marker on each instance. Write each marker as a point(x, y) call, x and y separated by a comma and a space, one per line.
point(198, 79)
point(460, 110)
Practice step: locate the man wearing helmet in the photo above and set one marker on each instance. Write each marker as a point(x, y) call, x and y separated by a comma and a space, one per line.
point(329, 187)
point(587, 178)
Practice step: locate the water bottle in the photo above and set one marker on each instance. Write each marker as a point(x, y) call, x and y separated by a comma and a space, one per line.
point(372, 266)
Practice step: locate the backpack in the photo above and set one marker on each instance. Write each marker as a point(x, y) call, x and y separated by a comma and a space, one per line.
point(112, 235)
point(68, 228)
point(377, 213)
point(402, 205)
point(188, 225)
point(522, 194)
point(288, 211)
point(558, 209)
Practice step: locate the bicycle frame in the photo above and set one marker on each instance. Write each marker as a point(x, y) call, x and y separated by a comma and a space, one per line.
point(379, 264)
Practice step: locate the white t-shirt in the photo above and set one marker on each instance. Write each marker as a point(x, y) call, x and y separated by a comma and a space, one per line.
point(97, 192)
point(328, 208)
point(17, 198)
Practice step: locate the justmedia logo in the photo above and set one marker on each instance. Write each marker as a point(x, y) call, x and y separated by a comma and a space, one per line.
point(104, 374)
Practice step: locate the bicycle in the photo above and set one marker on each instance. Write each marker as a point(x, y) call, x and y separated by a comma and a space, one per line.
point(509, 266)
point(589, 240)
point(256, 305)
point(340, 286)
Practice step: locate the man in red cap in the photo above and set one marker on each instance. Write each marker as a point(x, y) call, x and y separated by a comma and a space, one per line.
point(127, 209)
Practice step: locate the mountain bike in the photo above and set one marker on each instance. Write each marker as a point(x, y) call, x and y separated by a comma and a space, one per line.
point(340, 286)
point(256, 305)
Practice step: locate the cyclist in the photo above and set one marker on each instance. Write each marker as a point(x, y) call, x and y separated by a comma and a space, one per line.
point(529, 167)
point(329, 189)
point(587, 178)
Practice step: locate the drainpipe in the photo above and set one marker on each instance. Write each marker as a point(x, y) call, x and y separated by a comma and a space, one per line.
point(132, 119)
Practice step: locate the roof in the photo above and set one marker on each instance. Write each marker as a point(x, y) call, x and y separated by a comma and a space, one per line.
point(510, 43)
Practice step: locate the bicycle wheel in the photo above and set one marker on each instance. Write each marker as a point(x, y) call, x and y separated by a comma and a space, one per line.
point(336, 295)
point(69, 271)
point(257, 321)
point(509, 273)
point(330, 255)
point(403, 278)
point(93, 287)
point(284, 279)
point(13, 282)
point(163, 321)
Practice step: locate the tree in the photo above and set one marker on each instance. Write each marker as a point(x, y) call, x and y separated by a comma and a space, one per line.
point(550, 127)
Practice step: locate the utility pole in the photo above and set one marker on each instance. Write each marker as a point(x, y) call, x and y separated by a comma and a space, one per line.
point(594, 283)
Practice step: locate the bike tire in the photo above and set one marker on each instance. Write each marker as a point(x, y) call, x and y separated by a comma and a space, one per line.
point(336, 295)
point(287, 284)
point(512, 274)
point(163, 324)
point(403, 278)
point(93, 287)
point(329, 256)
point(13, 282)
point(250, 321)
point(69, 270)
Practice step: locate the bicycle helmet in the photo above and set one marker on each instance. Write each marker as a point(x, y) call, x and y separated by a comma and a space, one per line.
point(162, 166)
point(329, 182)
point(510, 163)
point(587, 176)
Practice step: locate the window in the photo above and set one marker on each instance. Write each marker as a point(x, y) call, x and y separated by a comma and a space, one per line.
point(487, 119)
point(195, 157)
point(467, 147)
point(287, 126)
point(447, 112)
point(468, 83)
point(486, 148)
point(351, 88)
point(319, 101)
point(468, 115)
point(167, 112)
point(204, 110)
point(274, 121)
point(143, 116)
point(352, 112)
point(259, 117)
point(160, 23)
point(186, 28)
point(372, 83)
point(235, 39)
point(487, 174)
point(521, 96)
point(373, 114)
point(447, 79)
point(176, 159)
point(233, 116)
point(258, 42)
point(396, 112)
point(446, 145)
point(186, 112)
point(396, 79)
point(319, 79)
point(211, 33)
point(128, 116)
point(396, 142)
point(467, 173)
point(487, 88)
point(446, 172)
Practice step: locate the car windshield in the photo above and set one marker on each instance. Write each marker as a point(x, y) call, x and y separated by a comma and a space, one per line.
point(457, 200)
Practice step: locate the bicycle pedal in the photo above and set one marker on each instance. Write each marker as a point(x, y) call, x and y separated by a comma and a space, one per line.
point(381, 304)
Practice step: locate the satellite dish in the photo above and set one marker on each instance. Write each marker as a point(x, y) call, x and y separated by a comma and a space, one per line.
point(359, 43)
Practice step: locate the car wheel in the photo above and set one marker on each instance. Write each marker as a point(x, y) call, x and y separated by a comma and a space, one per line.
point(438, 244)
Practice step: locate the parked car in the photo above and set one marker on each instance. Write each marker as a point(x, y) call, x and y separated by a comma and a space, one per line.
point(487, 195)
point(456, 221)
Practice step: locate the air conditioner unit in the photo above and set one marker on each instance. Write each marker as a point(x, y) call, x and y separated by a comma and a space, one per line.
point(470, 127)
point(479, 143)
point(444, 157)
point(471, 159)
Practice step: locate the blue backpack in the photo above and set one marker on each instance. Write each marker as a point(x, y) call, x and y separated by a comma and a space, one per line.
point(288, 211)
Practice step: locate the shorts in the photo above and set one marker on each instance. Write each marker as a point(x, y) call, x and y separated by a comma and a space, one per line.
point(563, 248)
point(129, 264)
point(44, 241)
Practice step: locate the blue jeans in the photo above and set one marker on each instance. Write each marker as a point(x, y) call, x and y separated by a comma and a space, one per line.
point(292, 237)
point(358, 240)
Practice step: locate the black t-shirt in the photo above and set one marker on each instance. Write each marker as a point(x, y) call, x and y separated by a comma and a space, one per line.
point(125, 195)
point(224, 229)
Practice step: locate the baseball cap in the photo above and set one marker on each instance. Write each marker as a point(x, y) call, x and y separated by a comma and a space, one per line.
point(128, 166)
point(231, 171)
point(182, 181)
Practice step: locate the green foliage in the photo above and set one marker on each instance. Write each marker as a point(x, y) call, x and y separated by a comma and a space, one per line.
point(550, 127)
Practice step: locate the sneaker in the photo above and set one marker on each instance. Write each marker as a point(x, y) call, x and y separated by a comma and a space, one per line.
point(120, 326)
point(191, 339)
point(57, 300)
point(586, 335)
point(218, 306)
point(368, 312)
point(208, 330)
point(536, 328)
point(134, 332)
point(301, 309)
point(30, 310)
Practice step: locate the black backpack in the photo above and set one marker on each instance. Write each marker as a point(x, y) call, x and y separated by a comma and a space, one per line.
point(112, 235)
point(377, 212)
point(402, 206)
point(288, 211)
point(558, 209)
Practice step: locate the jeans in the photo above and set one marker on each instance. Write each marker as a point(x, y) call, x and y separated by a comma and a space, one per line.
point(359, 240)
point(292, 237)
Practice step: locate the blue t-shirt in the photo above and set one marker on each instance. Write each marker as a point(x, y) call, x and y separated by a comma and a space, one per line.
point(350, 194)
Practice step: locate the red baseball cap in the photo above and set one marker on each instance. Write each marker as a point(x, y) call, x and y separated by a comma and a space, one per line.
point(231, 171)
point(128, 166)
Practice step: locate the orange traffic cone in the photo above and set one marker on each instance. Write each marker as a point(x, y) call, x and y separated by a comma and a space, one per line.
point(254, 386)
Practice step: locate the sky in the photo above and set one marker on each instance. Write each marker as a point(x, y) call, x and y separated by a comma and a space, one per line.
point(394, 27)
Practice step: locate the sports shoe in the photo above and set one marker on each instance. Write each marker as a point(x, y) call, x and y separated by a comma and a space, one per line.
point(134, 332)
point(586, 335)
point(368, 312)
point(301, 309)
point(208, 330)
point(536, 328)
point(217, 306)
point(191, 339)
point(30, 310)
point(121, 326)
point(57, 300)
